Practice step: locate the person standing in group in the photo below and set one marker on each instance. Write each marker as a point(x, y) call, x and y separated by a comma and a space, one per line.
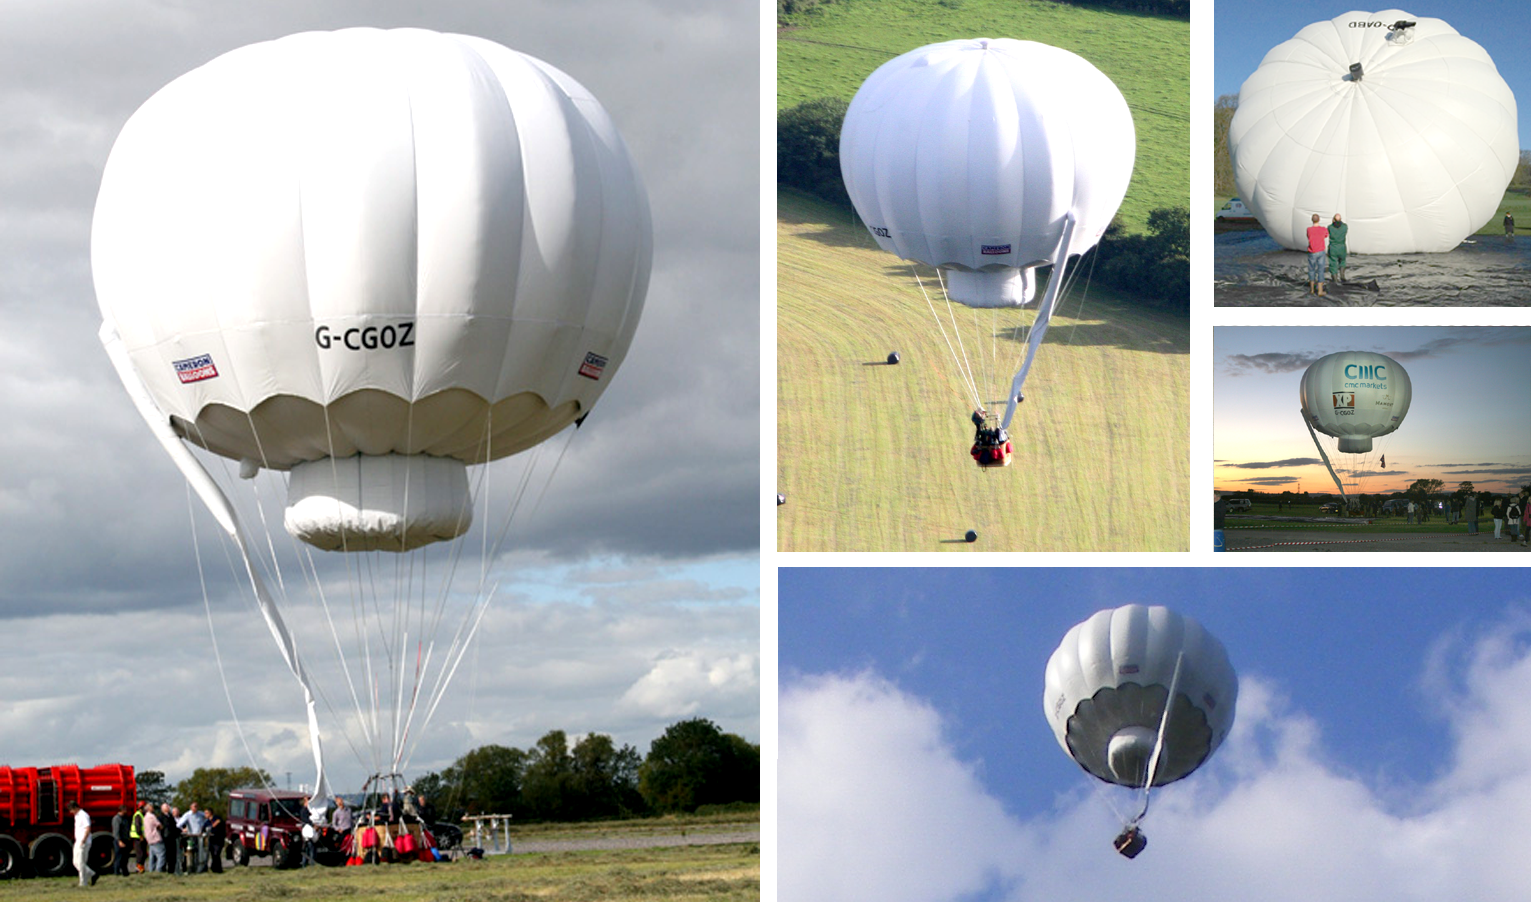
point(1498, 518)
point(1317, 237)
point(217, 837)
point(122, 840)
point(1337, 252)
point(82, 843)
point(155, 838)
point(140, 845)
point(1470, 511)
point(1512, 514)
point(341, 820)
point(169, 817)
point(193, 825)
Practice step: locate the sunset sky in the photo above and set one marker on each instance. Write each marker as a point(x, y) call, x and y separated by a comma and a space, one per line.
point(1470, 419)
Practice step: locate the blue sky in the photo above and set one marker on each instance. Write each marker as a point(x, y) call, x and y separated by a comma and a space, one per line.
point(1366, 685)
point(1246, 29)
point(1470, 419)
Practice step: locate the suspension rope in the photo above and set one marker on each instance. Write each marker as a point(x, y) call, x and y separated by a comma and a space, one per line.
point(963, 370)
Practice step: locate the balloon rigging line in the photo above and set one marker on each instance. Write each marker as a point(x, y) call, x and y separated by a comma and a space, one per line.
point(966, 376)
point(455, 653)
point(196, 546)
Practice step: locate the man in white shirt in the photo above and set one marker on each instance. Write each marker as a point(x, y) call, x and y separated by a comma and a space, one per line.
point(82, 843)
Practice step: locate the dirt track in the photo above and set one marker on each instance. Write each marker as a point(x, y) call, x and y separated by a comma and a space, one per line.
point(1353, 540)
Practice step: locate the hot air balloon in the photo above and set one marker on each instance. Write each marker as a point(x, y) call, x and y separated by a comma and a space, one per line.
point(1139, 697)
point(365, 261)
point(1396, 122)
point(986, 159)
point(1353, 396)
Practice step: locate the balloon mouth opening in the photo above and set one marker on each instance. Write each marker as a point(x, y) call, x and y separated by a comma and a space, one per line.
point(1128, 753)
point(389, 502)
point(1355, 445)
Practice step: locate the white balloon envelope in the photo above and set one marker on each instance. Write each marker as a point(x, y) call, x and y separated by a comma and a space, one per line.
point(1110, 680)
point(1397, 123)
point(370, 258)
point(365, 245)
point(1355, 396)
point(969, 155)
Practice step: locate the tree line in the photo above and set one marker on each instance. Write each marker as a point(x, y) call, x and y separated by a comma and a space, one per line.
point(693, 765)
point(1154, 268)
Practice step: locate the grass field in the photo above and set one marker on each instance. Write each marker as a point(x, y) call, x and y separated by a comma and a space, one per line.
point(696, 873)
point(1148, 57)
point(875, 458)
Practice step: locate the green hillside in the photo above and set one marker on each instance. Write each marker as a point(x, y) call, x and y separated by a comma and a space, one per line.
point(1148, 57)
point(875, 457)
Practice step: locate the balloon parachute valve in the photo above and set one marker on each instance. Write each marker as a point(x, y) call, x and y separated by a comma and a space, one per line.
point(248, 467)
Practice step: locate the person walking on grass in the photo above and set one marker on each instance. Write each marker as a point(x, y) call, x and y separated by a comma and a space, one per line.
point(82, 843)
point(1317, 238)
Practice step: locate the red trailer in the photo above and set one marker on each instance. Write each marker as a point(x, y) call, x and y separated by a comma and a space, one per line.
point(36, 831)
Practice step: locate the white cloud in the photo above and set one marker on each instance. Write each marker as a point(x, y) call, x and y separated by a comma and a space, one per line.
point(875, 805)
point(687, 683)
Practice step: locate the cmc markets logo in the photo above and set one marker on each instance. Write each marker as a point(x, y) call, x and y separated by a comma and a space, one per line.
point(1344, 399)
point(1369, 371)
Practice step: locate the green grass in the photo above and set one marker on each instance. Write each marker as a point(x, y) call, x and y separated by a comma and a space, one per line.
point(1518, 202)
point(875, 458)
point(1148, 58)
point(720, 873)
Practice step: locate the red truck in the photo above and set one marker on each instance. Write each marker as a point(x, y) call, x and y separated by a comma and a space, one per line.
point(36, 831)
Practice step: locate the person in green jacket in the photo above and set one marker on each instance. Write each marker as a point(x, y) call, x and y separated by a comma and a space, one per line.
point(1337, 252)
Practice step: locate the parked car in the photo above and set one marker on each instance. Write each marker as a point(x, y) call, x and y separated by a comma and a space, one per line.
point(1329, 507)
point(270, 822)
point(1238, 504)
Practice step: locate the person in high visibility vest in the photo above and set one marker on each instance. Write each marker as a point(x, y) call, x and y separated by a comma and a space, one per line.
point(140, 845)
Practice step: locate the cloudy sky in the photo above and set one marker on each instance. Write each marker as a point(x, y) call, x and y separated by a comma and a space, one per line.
point(1375, 755)
point(1470, 419)
point(1247, 29)
point(628, 601)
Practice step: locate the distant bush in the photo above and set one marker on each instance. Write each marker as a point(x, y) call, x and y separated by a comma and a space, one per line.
point(1179, 9)
point(787, 9)
point(1155, 267)
point(808, 148)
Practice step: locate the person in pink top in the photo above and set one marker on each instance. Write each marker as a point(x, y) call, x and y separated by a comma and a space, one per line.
point(155, 838)
point(1317, 251)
